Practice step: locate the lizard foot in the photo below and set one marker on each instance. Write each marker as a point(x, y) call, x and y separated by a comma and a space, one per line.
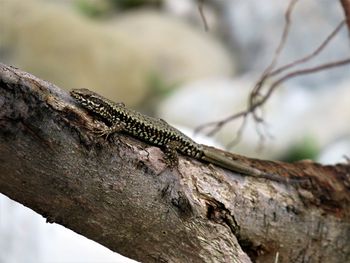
point(106, 132)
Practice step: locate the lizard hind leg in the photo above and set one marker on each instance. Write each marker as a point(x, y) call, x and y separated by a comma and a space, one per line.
point(170, 151)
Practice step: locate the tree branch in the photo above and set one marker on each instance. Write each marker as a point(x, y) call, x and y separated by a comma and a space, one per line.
point(122, 195)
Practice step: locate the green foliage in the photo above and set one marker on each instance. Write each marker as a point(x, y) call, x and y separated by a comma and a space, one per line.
point(94, 8)
point(158, 86)
point(100, 8)
point(126, 4)
point(158, 90)
point(305, 149)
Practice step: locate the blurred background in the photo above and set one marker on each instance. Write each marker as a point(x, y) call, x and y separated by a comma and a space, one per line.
point(157, 57)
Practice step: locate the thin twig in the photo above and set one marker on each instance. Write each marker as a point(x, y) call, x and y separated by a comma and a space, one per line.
point(310, 56)
point(255, 92)
point(256, 99)
point(346, 7)
point(219, 124)
point(239, 133)
point(283, 40)
point(201, 12)
point(285, 33)
point(299, 73)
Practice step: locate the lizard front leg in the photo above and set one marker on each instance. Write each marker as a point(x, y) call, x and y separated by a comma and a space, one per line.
point(106, 132)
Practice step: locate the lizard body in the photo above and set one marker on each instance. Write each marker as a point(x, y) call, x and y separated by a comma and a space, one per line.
point(154, 131)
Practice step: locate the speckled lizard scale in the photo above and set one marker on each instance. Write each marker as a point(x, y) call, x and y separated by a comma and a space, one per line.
point(151, 130)
point(155, 131)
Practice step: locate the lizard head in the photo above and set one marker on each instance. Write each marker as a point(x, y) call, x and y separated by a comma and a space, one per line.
point(88, 98)
point(84, 96)
point(98, 104)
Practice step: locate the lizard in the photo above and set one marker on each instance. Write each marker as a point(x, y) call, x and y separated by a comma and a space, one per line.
point(158, 132)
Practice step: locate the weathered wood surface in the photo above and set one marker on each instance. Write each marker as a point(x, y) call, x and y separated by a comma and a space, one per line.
point(121, 194)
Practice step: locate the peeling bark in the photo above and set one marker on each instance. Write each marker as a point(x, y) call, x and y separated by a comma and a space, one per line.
point(121, 194)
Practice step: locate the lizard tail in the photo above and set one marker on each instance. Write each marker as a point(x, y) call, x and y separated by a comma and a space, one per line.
point(225, 160)
point(217, 157)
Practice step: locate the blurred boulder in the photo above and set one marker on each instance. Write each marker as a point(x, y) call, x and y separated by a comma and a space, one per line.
point(179, 52)
point(336, 152)
point(329, 118)
point(59, 45)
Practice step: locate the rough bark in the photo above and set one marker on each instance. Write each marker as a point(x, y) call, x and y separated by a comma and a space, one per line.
point(121, 194)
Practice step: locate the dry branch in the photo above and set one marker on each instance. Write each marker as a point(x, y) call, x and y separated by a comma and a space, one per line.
point(121, 194)
point(346, 7)
point(258, 96)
